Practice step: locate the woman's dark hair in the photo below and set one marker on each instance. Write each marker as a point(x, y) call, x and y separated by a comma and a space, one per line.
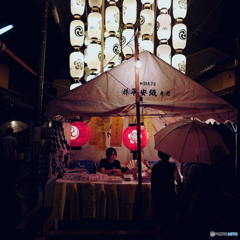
point(109, 152)
point(163, 155)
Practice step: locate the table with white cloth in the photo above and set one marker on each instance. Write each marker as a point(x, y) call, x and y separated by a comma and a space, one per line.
point(100, 200)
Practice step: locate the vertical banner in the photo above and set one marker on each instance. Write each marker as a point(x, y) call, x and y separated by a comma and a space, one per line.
point(101, 204)
point(127, 200)
point(93, 132)
point(116, 131)
point(113, 208)
point(74, 203)
point(103, 125)
point(147, 202)
point(59, 201)
point(101, 141)
point(88, 200)
point(148, 126)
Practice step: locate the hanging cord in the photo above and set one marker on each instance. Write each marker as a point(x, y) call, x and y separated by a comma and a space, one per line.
point(207, 18)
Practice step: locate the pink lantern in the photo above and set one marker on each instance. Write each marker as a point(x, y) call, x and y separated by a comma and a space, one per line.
point(130, 137)
point(79, 134)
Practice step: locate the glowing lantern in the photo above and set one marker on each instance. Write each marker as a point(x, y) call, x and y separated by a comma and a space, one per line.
point(129, 11)
point(179, 9)
point(163, 26)
point(163, 4)
point(79, 134)
point(146, 45)
point(86, 56)
point(164, 52)
point(179, 62)
point(87, 40)
point(147, 2)
point(112, 19)
point(95, 3)
point(94, 53)
point(74, 85)
point(112, 50)
point(130, 137)
point(179, 36)
point(128, 47)
point(94, 25)
point(87, 73)
point(76, 33)
point(146, 22)
point(77, 8)
point(91, 76)
point(76, 64)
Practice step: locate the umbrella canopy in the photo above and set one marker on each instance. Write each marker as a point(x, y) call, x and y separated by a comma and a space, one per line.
point(191, 141)
point(17, 126)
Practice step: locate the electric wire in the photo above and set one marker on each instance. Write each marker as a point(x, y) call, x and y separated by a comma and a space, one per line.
point(208, 17)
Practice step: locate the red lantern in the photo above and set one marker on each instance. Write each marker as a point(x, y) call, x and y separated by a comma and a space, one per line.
point(130, 137)
point(79, 134)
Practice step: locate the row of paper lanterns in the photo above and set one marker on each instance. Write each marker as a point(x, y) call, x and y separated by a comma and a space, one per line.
point(92, 54)
point(80, 135)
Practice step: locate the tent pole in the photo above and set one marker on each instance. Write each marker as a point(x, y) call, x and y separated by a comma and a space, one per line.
point(46, 154)
point(138, 134)
point(236, 152)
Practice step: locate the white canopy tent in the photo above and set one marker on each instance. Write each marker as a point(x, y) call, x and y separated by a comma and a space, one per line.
point(167, 95)
point(165, 92)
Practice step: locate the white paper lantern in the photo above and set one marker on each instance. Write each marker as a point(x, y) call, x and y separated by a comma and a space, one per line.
point(129, 14)
point(179, 62)
point(94, 53)
point(76, 64)
point(91, 76)
point(179, 36)
point(74, 85)
point(86, 72)
point(112, 19)
point(146, 21)
point(76, 33)
point(95, 3)
point(86, 56)
point(147, 1)
point(163, 26)
point(163, 4)
point(146, 45)
point(179, 9)
point(112, 49)
point(94, 25)
point(87, 40)
point(164, 52)
point(128, 46)
point(77, 7)
point(112, 1)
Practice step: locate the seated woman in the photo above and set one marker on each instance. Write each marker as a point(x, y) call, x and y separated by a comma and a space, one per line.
point(145, 162)
point(110, 164)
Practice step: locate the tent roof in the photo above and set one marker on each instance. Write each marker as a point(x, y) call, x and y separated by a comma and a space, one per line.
point(165, 91)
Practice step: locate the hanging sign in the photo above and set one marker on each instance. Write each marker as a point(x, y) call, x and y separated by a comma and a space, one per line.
point(93, 132)
point(101, 141)
point(116, 132)
point(103, 125)
point(148, 126)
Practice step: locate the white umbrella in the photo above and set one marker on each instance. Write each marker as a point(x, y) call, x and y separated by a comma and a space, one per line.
point(17, 126)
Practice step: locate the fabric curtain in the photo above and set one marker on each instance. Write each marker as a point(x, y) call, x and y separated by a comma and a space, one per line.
point(60, 150)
